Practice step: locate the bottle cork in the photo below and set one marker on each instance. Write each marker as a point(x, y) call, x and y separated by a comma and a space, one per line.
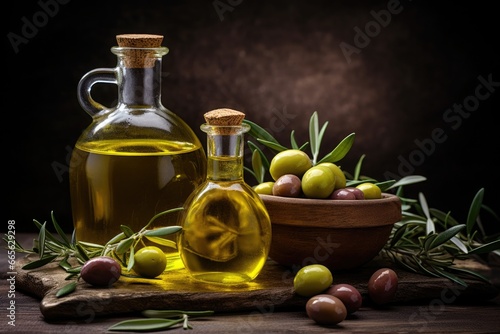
point(225, 118)
point(139, 56)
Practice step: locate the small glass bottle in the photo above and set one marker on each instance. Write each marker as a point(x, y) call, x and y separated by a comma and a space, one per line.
point(136, 159)
point(226, 232)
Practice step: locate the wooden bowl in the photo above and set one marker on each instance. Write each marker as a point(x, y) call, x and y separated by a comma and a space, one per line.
point(340, 234)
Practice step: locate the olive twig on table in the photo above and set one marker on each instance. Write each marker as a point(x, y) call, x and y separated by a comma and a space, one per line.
point(58, 248)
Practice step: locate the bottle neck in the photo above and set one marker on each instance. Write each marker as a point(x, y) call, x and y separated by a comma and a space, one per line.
point(225, 157)
point(139, 86)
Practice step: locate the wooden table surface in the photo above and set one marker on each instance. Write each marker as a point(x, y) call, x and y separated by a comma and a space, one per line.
point(437, 315)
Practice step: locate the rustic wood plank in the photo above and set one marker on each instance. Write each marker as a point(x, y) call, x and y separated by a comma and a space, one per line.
point(422, 317)
point(272, 289)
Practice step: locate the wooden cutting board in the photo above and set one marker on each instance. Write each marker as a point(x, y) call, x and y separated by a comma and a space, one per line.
point(272, 290)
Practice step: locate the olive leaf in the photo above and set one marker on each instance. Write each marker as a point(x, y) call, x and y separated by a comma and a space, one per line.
point(162, 231)
point(40, 262)
point(450, 276)
point(65, 290)
point(445, 235)
point(468, 272)
point(90, 245)
point(428, 240)
point(446, 218)
point(120, 236)
point(59, 230)
point(430, 228)
point(162, 241)
point(304, 146)
point(257, 131)
point(357, 168)
point(126, 230)
point(474, 211)
point(158, 319)
point(124, 246)
point(385, 185)
point(486, 248)
point(41, 240)
point(457, 242)
point(398, 234)
point(260, 163)
point(340, 151)
point(74, 270)
point(272, 145)
point(157, 216)
point(47, 234)
point(407, 180)
point(144, 325)
point(65, 264)
point(293, 141)
point(131, 259)
point(428, 270)
point(81, 251)
point(316, 136)
point(73, 238)
point(263, 158)
point(257, 166)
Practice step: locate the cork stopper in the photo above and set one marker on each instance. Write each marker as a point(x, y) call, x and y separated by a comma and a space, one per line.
point(139, 58)
point(224, 117)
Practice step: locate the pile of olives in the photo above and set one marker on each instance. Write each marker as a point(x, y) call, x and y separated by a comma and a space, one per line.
point(329, 303)
point(295, 175)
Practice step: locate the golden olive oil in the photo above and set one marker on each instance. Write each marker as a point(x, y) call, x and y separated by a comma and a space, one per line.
point(226, 230)
point(136, 159)
point(127, 182)
point(225, 235)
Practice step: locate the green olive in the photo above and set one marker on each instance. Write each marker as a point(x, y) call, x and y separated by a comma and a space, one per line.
point(318, 182)
point(290, 161)
point(340, 180)
point(265, 188)
point(149, 261)
point(312, 280)
point(370, 190)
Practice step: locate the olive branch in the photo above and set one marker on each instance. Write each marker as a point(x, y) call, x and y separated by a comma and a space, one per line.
point(59, 248)
point(260, 162)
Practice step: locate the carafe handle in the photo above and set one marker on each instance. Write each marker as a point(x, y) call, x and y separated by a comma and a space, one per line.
point(99, 75)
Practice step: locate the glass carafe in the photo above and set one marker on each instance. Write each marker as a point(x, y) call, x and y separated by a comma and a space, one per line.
point(136, 159)
point(226, 232)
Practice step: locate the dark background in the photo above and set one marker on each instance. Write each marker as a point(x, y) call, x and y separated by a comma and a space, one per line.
point(277, 61)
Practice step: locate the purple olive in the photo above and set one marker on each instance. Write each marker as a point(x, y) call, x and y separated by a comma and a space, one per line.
point(382, 286)
point(343, 194)
point(101, 271)
point(357, 192)
point(348, 294)
point(288, 185)
point(326, 309)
